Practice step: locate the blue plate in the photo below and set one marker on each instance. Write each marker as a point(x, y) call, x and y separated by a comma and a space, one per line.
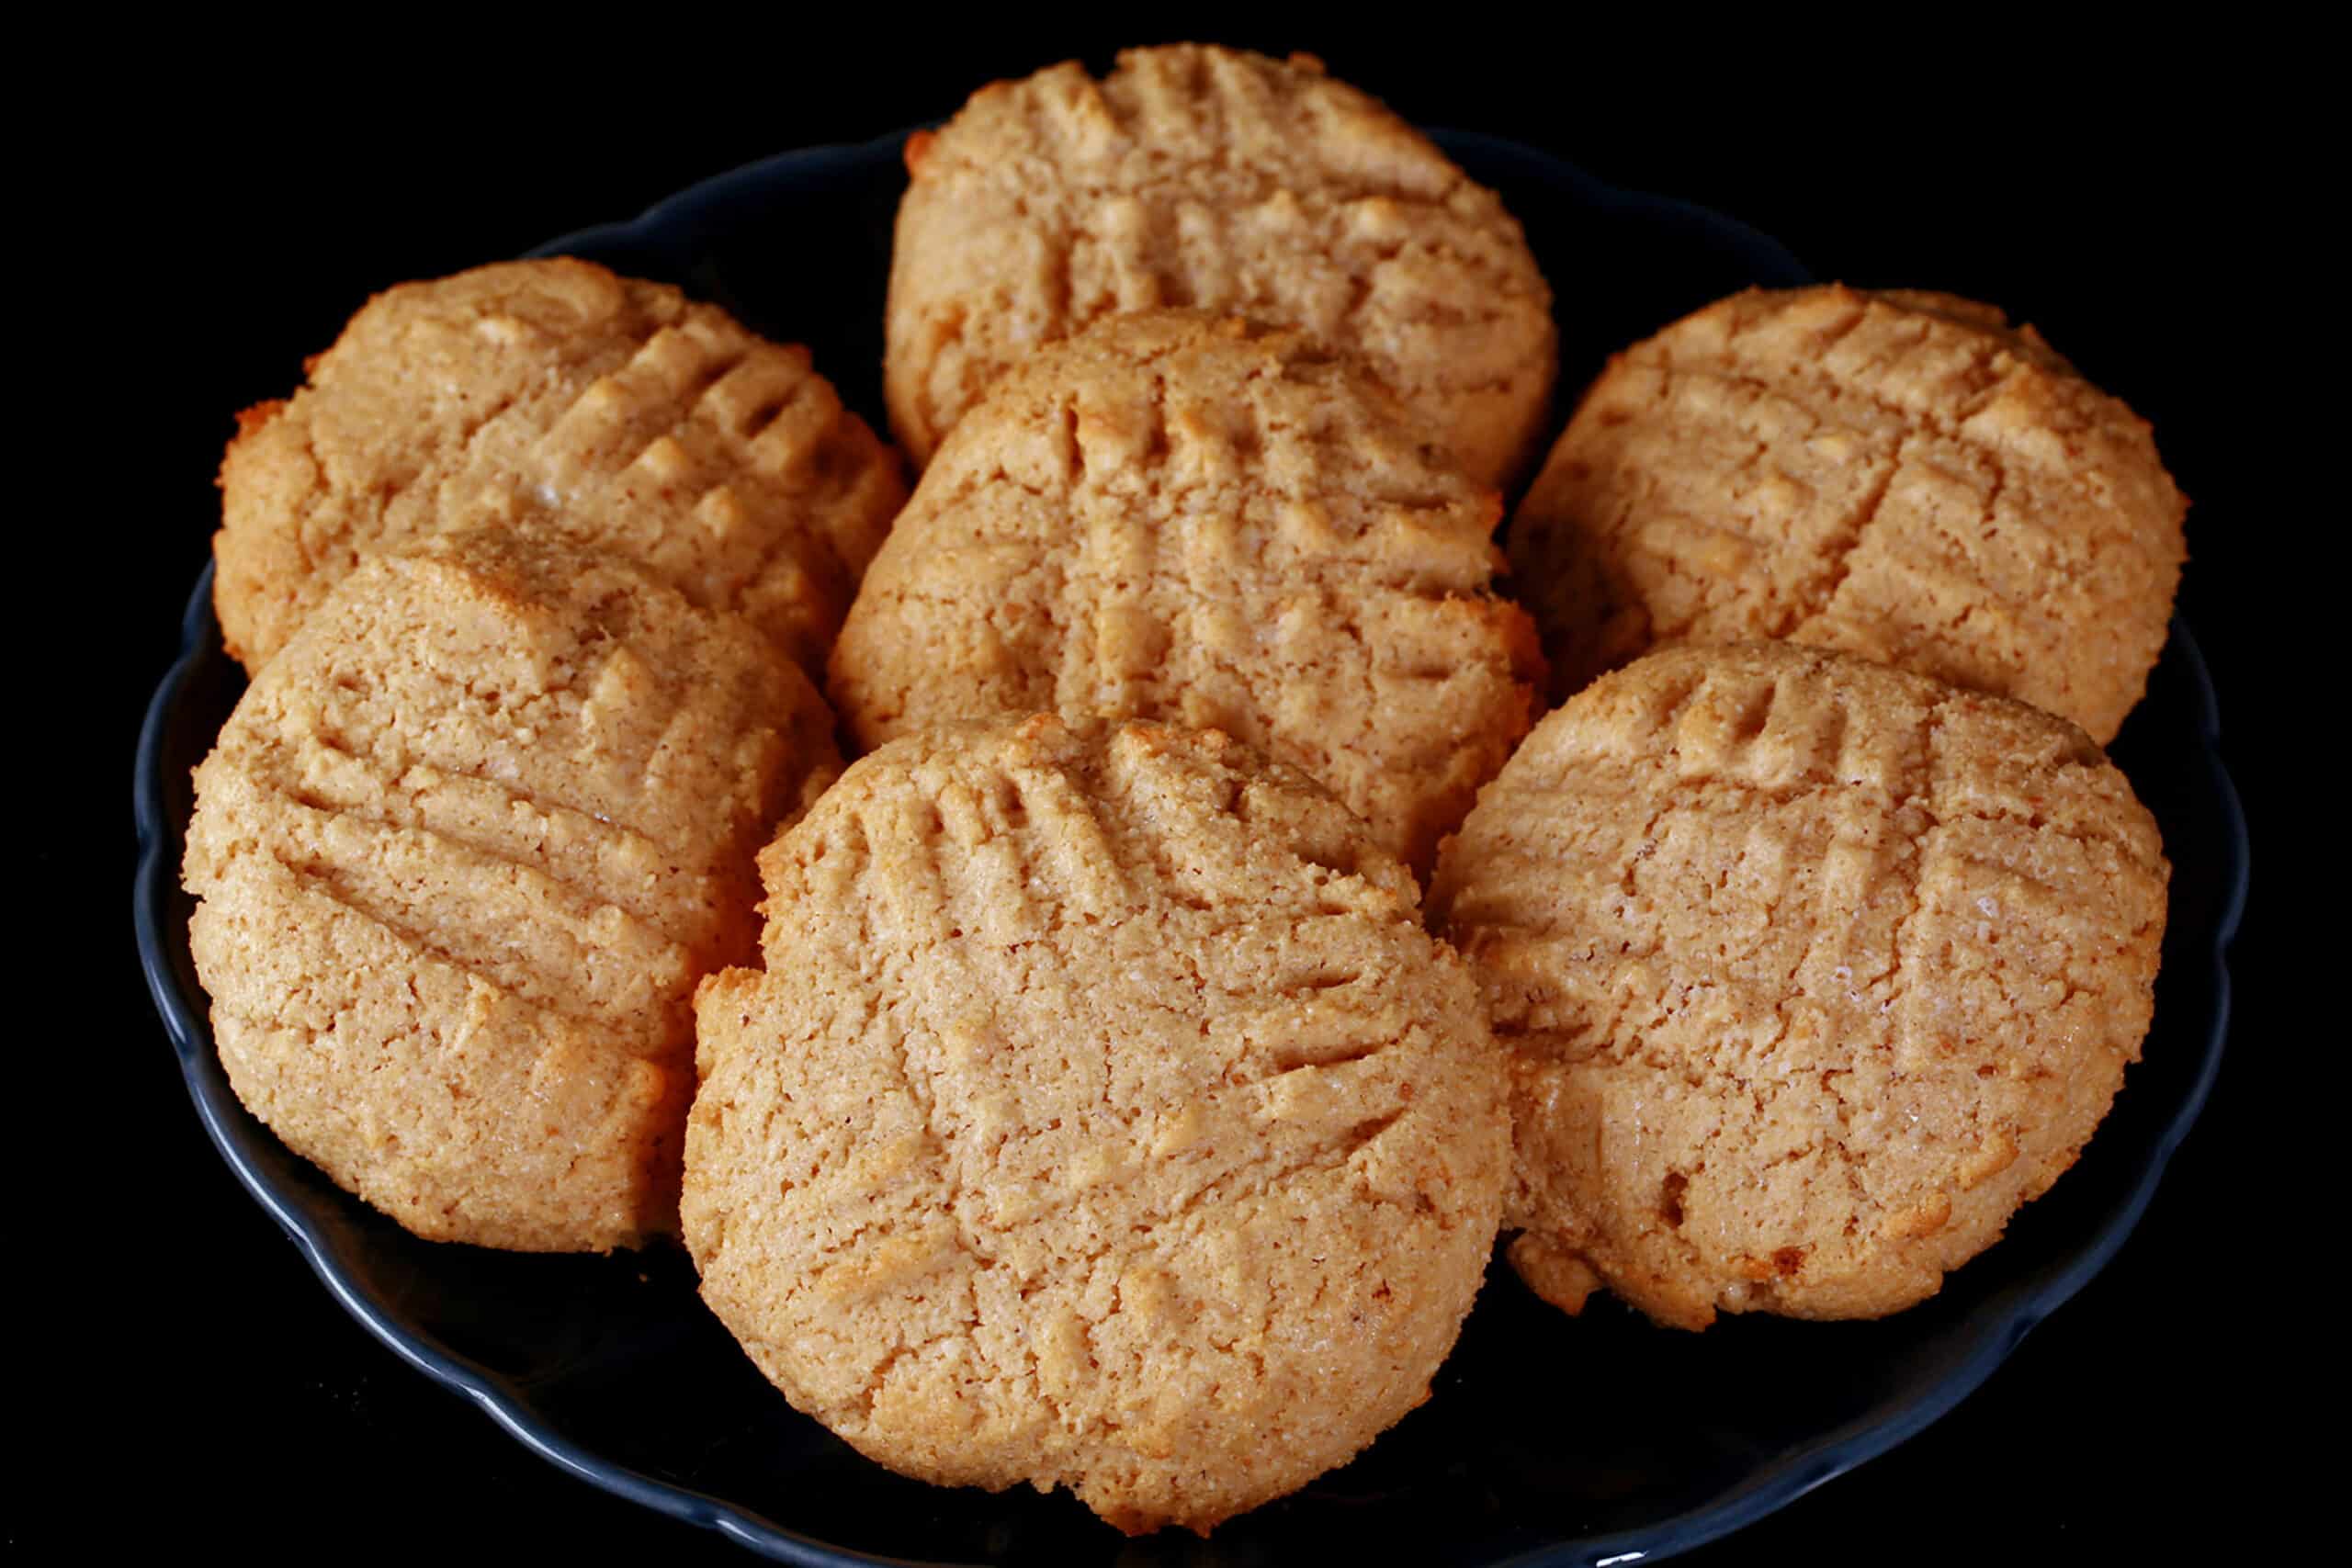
point(1597, 1441)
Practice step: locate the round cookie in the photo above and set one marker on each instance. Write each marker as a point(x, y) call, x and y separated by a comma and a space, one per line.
point(1183, 516)
point(1811, 973)
point(1213, 178)
point(1104, 1119)
point(462, 853)
point(1899, 475)
point(557, 397)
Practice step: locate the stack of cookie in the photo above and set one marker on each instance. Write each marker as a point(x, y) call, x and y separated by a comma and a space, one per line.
point(1098, 1106)
point(525, 578)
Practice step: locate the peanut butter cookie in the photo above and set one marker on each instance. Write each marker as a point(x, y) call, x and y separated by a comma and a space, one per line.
point(1811, 973)
point(463, 850)
point(1104, 1119)
point(557, 397)
point(1900, 475)
point(1206, 177)
point(1183, 516)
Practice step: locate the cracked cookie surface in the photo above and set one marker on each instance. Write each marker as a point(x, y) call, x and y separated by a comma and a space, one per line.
point(462, 853)
point(1184, 516)
point(1214, 178)
point(1810, 972)
point(1104, 1119)
point(1900, 475)
point(558, 398)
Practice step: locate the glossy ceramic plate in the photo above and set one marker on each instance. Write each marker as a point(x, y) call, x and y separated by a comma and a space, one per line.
point(611, 1369)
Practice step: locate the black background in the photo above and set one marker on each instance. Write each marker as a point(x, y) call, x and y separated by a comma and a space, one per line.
point(193, 1386)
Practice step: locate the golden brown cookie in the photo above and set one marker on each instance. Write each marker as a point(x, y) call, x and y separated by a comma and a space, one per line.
point(1178, 515)
point(1105, 1119)
point(1899, 475)
point(1811, 972)
point(556, 397)
point(1223, 180)
point(463, 850)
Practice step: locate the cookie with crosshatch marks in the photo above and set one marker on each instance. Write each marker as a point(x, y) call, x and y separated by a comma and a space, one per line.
point(1191, 517)
point(1898, 474)
point(462, 853)
point(555, 397)
point(1221, 180)
point(1104, 1119)
point(1810, 971)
